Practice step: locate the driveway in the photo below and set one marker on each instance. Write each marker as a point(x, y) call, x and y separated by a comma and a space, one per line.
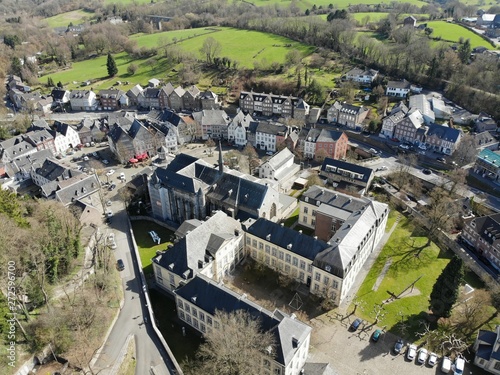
point(353, 353)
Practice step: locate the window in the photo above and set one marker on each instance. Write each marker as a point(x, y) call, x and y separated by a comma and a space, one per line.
point(188, 319)
point(268, 249)
point(317, 276)
point(287, 268)
point(194, 312)
point(301, 276)
point(313, 222)
point(326, 280)
point(274, 251)
point(216, 325)
point(195, 323)
point(254, 243)
point(203, 328)
point(316, 287)
point(281, 255)
point(187, 308)
point(288, 258)
point(335, 284)
point(179, 303)
point(302, 265)
point(249, 241)
point(209, 320)
point(277, 371)
point(309, 268)
point(497, 366)
point(267, 364)
point(181, 314)
point(314, 213)
point(261, 245)
point(202, 316)
point(254, 253)
point(306, 209)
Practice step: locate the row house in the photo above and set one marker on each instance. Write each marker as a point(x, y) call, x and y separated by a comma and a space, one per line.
point(213, 123)
point(399, 89)
point(238, 128)
point(149, 98)
point(483, 234)
point(442, 138)
point(397, 113)
point(65, 137)
point(321, 143)
point(213, 248)
point(346, 176)
point(16, 83)
point(133, 95)
point(347, 114)
point(269, 135)
point(83, 100)
point(269, 105)
point(113, 99)
point(183, 126)
point(407, 129)
point(363, 76)
point(47, 173)
point(60, 97)
point(487, 165)
point(30, 101)
point(199, 300)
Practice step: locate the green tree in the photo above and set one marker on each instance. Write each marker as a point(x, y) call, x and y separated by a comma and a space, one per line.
point(464, 51)
point(111, 65)
point(131, 69)
point(211, 49)
point(445, 291)
point(50, 82)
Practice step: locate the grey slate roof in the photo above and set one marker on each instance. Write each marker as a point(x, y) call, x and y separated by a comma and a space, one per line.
point(318, 369)
point(486, 225)
point(270, 128)
point(76, 188)
point(52, 170)
point(404, 84)
point(327, 135)
point(165, 116)
point(444, 132)
point(301, 244)
point(209, 296)
point(365, 172)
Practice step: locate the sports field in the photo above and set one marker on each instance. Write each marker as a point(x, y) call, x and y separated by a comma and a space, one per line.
point(451, 32)
point(76, 17)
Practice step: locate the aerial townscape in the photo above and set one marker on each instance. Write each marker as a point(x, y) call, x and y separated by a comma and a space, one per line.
point(262, 187)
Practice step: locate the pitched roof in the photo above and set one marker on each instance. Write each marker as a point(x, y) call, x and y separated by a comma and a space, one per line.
point(58, 94)
point(212, 117)
point(76, 188)
point(53, 171)
point(271, 128)
point(328, 163)
point(444, 132)
point(280, 158)
point(298, 243)
point(404, 84)
point(327, 135)
point(210, 296)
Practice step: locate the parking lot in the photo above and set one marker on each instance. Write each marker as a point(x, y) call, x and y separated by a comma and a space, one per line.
point(354, 353)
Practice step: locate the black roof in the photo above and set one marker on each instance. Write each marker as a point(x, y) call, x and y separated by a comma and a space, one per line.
point(365, 172)
point(165, 116)
point(303, 245)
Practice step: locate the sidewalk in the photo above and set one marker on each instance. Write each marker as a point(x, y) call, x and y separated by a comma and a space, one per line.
point(367, 266)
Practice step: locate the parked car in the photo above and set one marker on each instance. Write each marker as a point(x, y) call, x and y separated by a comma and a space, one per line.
point(422, 146)
point(459, 366)
point(112, 245)
point(446, 365)
point(109, 213)
point(111, 237)
point(432, 359)
point(382, 168)
point(85, 158)
point(373, 151)
point(376, 335)
point(110, 172)
point(105, 162)
point(355, 325)
point(404, 146)
point(112, 187)
point(411, 352)
point(426, 171)
point(422, 356)
point(122, 176)
point(398, 346)
point(394, 139)
point(441, 159)
point(120, 265)
point(108, 203)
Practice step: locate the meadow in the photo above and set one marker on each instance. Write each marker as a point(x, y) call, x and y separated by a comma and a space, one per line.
point(127, 2)
point(339, 4)
point(167, 37)
point(76, 17)
point(451, 32)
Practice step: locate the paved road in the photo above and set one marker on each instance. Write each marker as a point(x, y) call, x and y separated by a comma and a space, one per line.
point(149, 351)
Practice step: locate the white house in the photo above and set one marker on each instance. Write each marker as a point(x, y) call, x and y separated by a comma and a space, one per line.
point(238, 127)
point(198, 301)
point(280, 168)
point(398, 89)
point(389, 123)
point(83, 100)
point(487, 349)
point(65, 137)
point(364, 76)
point(269, 135)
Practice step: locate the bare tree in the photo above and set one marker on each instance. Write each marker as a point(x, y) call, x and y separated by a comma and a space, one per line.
point(211, 49)
point(237, 345)
point(466, 151)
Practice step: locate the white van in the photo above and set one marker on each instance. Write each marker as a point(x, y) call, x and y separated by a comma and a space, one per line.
point(446, 365)
point(459, 366)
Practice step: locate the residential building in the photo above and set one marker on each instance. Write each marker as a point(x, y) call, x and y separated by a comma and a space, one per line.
point(331, 143)
point(269, 135)
point(485, 20)
point(484, 122)
point(213, 123)
point(42, 139)
point(238, 128)
point(483, 234)
point(209, 100)
point(442, 138)
point(347, 114)
point(133, 95)
point(164, 96)
point(487, 165)
point(423, 104)
point(410, 21)
point(153, 82)
point(175, 99)
point(399, 89)
point(191, 99)
point(389, 123)
point(110, 99)
point(149, 98)
point(198, 301)
point(76, 188)
point(189, 188)
point(441, 110)
point(346, 176)
point(280, 167)
point(47, 173)
point(183, 126)
point(269, 104)
point(212, 249)
point(83, 100)
point(407, 128)
point(65, 137)
point(363, 76)
point(487, 350)
point(60, 97)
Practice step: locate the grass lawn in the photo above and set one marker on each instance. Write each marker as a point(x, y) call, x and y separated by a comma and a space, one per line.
point(157, 39)
point(405, 268)
point(452, 33)
point(147, 248)
point(76, 17)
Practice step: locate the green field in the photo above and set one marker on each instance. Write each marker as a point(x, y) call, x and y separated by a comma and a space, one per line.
point(126, 2)
point(373, 16)
point(340, 4)
point(451, 32)
point(76, 17)
point(157, 39)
